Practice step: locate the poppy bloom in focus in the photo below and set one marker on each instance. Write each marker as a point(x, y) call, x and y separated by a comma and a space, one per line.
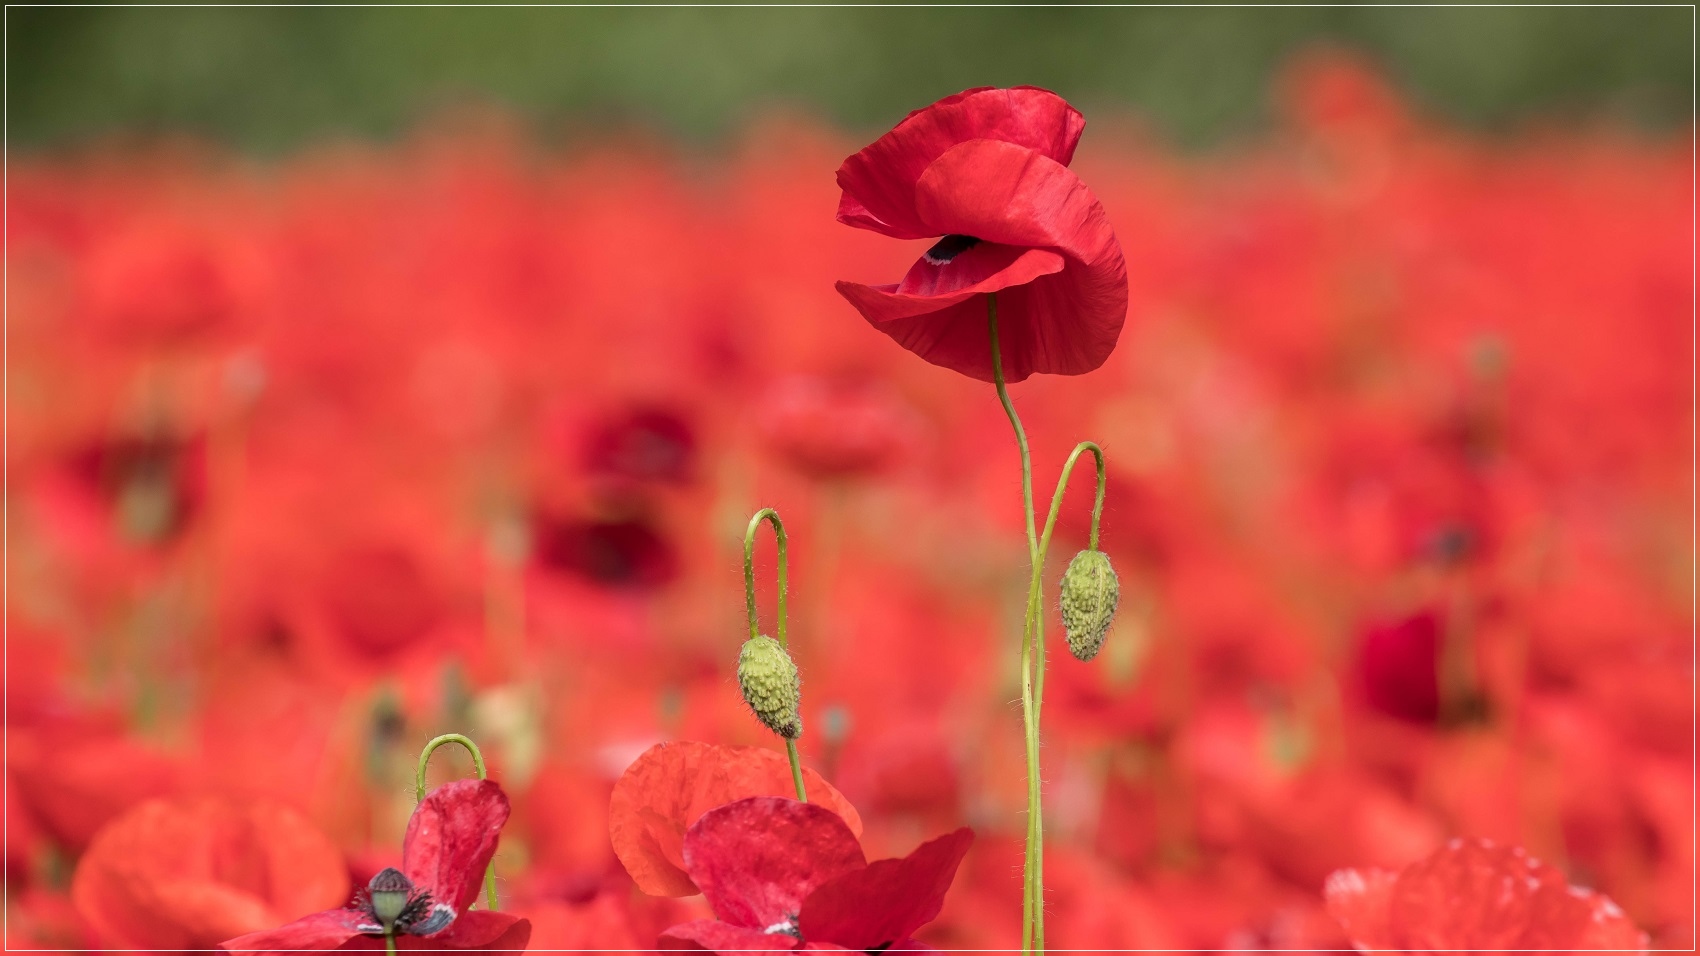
point(1474, 896)
point(423, 905)
point(986, 173)
point(781, 874)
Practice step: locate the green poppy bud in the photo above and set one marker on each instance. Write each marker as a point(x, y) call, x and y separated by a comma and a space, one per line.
point(771, 685)
point(387, 896)
point(1089, 594)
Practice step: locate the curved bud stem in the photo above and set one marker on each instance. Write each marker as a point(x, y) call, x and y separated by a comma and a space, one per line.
point(772, 517)
point(483, 774)
point(1062, 486)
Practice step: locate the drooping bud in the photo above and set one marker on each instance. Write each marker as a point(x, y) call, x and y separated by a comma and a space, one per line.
point(771, 685)
point(1089, 595)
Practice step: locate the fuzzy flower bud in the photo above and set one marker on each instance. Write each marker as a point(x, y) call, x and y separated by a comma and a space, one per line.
point(1089, 594)
point(771, 685)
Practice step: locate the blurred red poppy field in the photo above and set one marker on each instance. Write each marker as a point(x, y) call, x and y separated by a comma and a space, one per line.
point(314, 458)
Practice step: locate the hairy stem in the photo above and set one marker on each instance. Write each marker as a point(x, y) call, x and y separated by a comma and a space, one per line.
point(1033, 868)
point(419, 794)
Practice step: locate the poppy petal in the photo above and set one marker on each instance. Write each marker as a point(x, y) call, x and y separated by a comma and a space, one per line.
point(477, 929)
point(879, 181)
point(1474, 895)
point(986, 267)
point(451, 838)
point(671, 785)
point(1359, 901)
point(176, 874)
point(716, 937)
point(1470, 895)
point(1001, 192)
point(877, 905)
point(1065, 323)
point(924, 322)
point(758, 858)
point(327, 930)
point(902, 946)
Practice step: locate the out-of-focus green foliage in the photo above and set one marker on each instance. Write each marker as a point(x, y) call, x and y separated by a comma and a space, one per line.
point(268, 78)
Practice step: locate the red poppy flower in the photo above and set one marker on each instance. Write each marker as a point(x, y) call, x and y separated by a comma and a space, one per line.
point(672, 785)
point(1474, 895)
point(172, 875)
point(449, 842)
point(987, 170)
point(781, 874)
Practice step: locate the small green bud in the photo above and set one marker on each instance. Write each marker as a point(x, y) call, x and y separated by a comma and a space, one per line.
point(387, 896)
point(1089, 594)
point(771, 685)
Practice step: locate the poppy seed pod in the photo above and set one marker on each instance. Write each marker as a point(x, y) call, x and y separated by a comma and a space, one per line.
point(1089, 595)
point(771, 685)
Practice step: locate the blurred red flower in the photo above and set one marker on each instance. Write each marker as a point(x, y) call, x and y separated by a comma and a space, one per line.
point(836, 429)
point(1474, 895)
point(781, 874)
point(987, 170)
point(1398, 665)
point(174, 875)
point(671, 785)
point(450, 840)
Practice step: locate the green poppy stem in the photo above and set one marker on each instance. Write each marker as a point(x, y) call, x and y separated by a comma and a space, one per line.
point(419, 794)
point(772, 517)
point(1033, 867)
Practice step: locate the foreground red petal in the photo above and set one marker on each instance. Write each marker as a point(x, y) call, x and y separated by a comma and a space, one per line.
point(887, 900)
point(716, 937)
point(879, 181)
point(451, 838)
point(477, 931)
point(759, 858)
point(902, 946)
point(671, 785)
point(327, 930)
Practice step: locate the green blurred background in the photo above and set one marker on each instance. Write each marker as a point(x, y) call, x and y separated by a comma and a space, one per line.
point(269, 79)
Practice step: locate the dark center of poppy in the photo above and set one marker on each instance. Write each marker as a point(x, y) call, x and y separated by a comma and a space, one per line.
point(949, 248)
point(392, 904)
point(786, 927)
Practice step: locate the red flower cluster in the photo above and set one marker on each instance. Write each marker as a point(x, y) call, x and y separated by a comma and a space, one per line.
point(312, 459)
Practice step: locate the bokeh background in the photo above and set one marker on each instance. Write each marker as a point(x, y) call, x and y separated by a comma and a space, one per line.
point(376, 373)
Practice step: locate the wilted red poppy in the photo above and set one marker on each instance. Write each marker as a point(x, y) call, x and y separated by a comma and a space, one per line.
point(1472, 896)
point(667, 789)
point(449, 842)
point(781, 874)
point(987, 170)
point(172, 875)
